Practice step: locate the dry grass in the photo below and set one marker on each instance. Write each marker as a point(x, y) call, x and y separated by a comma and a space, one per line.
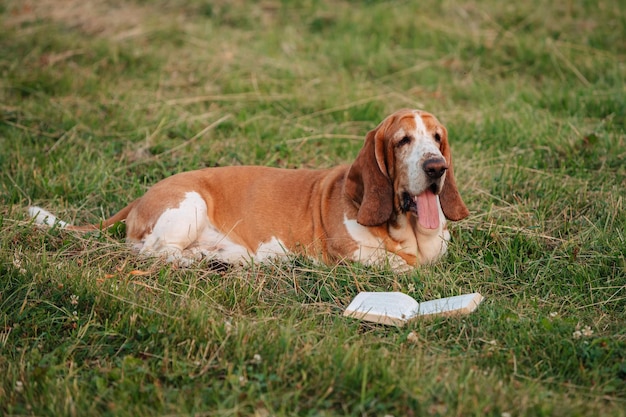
point(100, 100)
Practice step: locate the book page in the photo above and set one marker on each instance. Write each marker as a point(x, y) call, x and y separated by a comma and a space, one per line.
point(460, 304)
point(382, 307)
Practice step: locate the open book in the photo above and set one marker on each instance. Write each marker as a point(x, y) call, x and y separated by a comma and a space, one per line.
point(397, 308)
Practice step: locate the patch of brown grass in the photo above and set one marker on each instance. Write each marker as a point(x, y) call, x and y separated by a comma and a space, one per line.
point(114, 19)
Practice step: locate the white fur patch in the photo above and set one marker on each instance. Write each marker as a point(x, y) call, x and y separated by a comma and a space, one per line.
point(371, 249)
point(274, 249)
point(423, 145)
point(428, 245)
point(44, 217)
point(175, 230)
point(184, 235)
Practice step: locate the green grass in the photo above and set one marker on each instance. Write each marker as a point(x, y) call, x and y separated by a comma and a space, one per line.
point(100, 100)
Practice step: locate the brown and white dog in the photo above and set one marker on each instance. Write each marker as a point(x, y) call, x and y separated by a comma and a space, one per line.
point(389, 207)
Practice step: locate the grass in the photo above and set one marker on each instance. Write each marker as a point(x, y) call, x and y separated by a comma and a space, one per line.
point(100, 100)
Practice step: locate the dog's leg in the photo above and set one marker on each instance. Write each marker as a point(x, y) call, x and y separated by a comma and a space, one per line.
point(184, 235)
point(176, 231)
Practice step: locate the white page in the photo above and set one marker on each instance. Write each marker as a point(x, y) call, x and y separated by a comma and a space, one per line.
point(391, 304)
point(466, 302)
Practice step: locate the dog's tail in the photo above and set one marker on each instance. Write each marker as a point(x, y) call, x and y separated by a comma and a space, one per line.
point(45, 218)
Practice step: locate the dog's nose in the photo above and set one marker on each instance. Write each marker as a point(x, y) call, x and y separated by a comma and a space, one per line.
point(434, 167)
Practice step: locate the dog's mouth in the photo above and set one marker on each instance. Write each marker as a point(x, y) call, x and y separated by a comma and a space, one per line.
point(424, 205)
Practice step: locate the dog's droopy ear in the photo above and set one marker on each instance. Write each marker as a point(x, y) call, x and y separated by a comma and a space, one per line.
point(367, 182)
point(451, 203)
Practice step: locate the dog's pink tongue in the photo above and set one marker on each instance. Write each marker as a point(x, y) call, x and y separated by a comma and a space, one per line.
point(427, 210)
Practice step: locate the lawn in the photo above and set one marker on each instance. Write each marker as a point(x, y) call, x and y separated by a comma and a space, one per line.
point(100, 100)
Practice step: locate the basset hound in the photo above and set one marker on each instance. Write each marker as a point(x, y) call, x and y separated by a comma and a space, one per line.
point(389, 207)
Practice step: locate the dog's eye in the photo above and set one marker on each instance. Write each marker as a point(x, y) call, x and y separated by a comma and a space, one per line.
point(437, 137)
point(404, 141)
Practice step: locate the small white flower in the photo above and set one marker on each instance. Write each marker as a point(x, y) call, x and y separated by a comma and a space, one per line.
point(19, 386)
point(257, 359)
point(505, 414)
point(554, 314)
point(586, 331)
point(73, 299)
point(17, 262)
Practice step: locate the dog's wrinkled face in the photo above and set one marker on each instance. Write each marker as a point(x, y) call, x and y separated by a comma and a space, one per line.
point(419, 168)
point(405, 166)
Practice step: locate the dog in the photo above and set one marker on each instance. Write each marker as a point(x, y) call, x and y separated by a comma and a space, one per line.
point(389, 207)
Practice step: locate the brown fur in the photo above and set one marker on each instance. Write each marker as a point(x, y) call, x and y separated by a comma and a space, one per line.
point(305, 209)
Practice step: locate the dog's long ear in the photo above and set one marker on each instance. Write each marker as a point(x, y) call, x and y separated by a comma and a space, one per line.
point(451, 203)
point(368, 182)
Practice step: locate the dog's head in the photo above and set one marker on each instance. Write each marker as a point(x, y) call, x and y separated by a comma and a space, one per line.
point(404, 165)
